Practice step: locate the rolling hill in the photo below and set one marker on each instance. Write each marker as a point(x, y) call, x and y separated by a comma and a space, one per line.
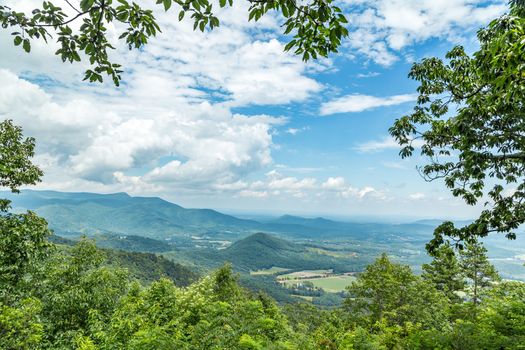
point(262, 250)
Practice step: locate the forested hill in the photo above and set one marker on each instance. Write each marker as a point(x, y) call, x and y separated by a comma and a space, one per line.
point(262, 250)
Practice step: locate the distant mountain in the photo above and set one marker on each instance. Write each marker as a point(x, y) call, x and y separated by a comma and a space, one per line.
point(152, 217)
point(437, 222)
point(132, 243)
point(119, 213)
point(315, 222)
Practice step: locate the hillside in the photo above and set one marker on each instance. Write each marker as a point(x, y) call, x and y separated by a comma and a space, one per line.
point(262, 250)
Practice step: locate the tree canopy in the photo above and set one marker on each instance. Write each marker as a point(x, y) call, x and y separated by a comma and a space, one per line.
point(470, 117)
point(81, 28)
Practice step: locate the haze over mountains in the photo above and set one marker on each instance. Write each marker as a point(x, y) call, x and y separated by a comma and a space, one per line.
point(119, 213)
point(208, 237)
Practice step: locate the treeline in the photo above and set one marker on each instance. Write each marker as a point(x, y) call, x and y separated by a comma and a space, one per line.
point(75, 298)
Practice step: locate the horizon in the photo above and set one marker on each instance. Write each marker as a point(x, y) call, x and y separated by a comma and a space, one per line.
point(268, 214)
point(237, 133)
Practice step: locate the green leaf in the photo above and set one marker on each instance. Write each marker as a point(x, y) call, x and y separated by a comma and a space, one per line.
point(17, 40)
point(167, 4)
point(181, 15)
point(86, 4)
point(26, 45)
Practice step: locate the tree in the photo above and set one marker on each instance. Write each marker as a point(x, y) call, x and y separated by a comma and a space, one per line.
point(444, 272)
point(22, 236)
point(16, 168)
point(317, 27)
point(477, 269)
point(390, 293)
point(77, 288)
point(20, 328)
point(470, 117)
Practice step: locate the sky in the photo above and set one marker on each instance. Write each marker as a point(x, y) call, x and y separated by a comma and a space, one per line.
point(227, 120)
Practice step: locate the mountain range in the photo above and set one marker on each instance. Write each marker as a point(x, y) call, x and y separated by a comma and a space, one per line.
point(70, 213)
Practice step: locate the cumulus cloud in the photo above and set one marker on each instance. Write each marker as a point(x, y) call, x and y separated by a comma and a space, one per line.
point(277, 184)
point(381, 29)
point(334, 183)
point(98, 143)
point(359, 103)
point(171, 124)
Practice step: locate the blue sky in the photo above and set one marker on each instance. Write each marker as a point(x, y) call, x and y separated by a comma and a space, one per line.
point(227, 120)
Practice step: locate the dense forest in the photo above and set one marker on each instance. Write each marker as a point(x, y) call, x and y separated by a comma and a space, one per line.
point(83, 297)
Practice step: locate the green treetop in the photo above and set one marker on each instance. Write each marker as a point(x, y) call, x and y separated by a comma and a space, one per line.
point(16, 168)
point(390, 293)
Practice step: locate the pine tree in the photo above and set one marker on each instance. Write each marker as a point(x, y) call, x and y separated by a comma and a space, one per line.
point(477, 269)
point(445, 273)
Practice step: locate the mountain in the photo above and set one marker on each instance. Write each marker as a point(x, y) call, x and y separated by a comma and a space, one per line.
point(72, 214)
point(119, 213)
point(262, 250)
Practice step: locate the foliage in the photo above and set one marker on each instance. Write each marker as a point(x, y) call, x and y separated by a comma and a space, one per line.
point(445, 273)
point(79, 300)
point(469, 116)
point(20, 328)
point(317, 27)
point(22, 244)
point(477, 269)
point(22, 236)
point(390, 293)
point(16, 168)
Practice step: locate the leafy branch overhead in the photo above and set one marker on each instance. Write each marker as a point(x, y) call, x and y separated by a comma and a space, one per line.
point(317, 27)
point(470, 117)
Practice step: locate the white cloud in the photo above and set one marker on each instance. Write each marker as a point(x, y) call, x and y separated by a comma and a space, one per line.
point(362, 193)
point(101, 142)
point(276, 185)
point(417, 196)
point(253, 194)
point(295, 131)
point(381, 29)
point(368, 75)
point(358, 103)
point(334, 183)
point(171, 124)
point(387, 143)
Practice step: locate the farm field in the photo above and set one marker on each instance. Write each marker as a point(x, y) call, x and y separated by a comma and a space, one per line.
point(318, 278)
point(271, 271)
point(333, 284)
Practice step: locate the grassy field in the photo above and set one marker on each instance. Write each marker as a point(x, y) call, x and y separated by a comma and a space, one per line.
point(330, 284)
point(333, 284)
point(271, 271)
